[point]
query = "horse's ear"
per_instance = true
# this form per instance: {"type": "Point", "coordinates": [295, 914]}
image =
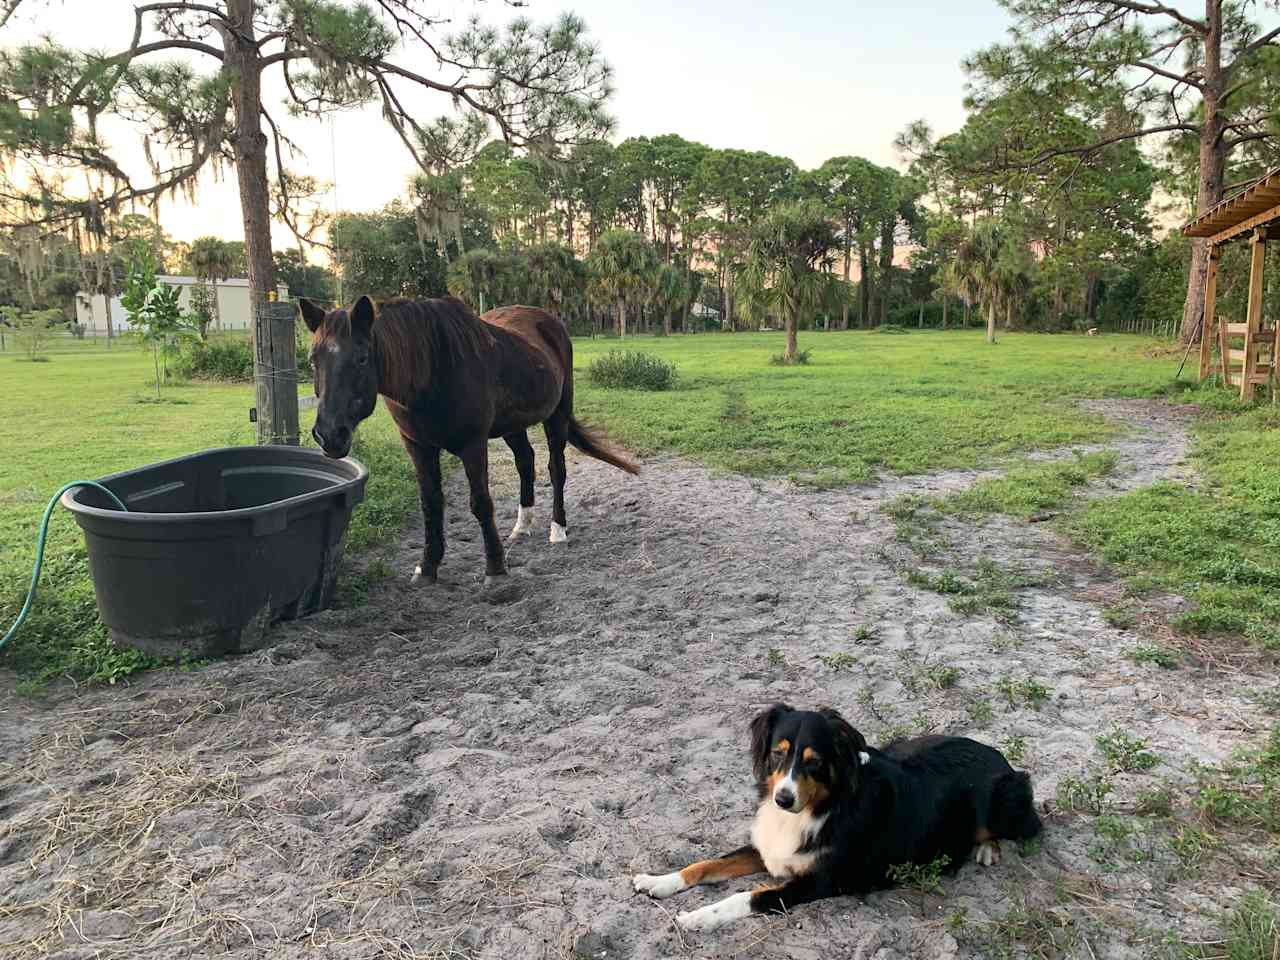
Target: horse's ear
{"type": "Point", "coordinates": [362, 317]}
{"type": "Point", "coordinates": [312, 315]}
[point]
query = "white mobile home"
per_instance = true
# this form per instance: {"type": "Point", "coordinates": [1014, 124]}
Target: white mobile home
{"type": "Point", "coordinates": [233, 306]}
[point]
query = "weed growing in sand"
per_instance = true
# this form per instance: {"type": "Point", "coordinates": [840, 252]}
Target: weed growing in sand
{"type": "Point", "coordinates": [936, 676]}
{"type": "Point", "coordinates": [1015, 748]}
{"type": "Point", "coordinates": [1245, 792]}
{"type": "Point", "coordinates": [944, 678]}
{"type": "Point", "coordinates": [864, 634]}
{"type": "Point", "coordinates": [775, 657]}
{"type": "Point", "coordinates": [990, 590]}
{"type": "Point", "coordinates": [1112, 837]}
{"type": "Point", "coordinates": [839, 661]}
{"type": "Point", "coordinates": [1031, 848]}
{"type": "Point", "coordinates": [1252, 932]}
{"type": "Point", "coordinates": [1125, 753]}
{"type": "Point", "coordinates": [1029, 489]}
{"type": "Point", "coordinates": [1028, 931]}
{"type": "Point", "coordinates": [926, 878]}
{"type": "Point", "coordinates": [893, 732]}
{"type": "Point", "coordinates": [1081, 794]}
{"type": "Point", "coordinates": [957, 919]}
{"type": "Point", "coordinates": [1156, 802]}
{"type": "Point", "coordinates": [1268, 700]}
{"type": "Point", "coordinates": [1122, 616]}
{"type": "Point", "coordinates": [980, 712]}
{"type": "Point", "coordinates": [1159, 656]}
{"type": "Point", "coordinates": [1191, 845]}
{"type": "Point", "coordinates": [1028, 690]}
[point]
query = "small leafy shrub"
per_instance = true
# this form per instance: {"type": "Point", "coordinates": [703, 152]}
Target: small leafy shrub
{"type": "Point", "coordinates": [632, 370]}
{"type": "Point", "coordinates": [228, 360]}
{"type": "Point", "coordinates": [1077, 794]}
{"type": "Point", "coordinates": [1125, 753]}
{"type": "Point", "coordinates": [1159, 656]}
{"type": "Point", "coordinates": [927, 878]}
{"type": "Point", "coordinates": [780, 359]}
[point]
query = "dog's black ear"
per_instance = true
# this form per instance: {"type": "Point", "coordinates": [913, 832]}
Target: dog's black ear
{"type": "Point", "coordinates": [850, 744]}
{"type": "Point", "coordinates": [762, 736]}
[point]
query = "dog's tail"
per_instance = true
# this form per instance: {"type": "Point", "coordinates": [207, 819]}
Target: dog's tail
{"type": "Point", "coordinates": [1013, 807]}
{"type": "Point", "coordinates": [593, 443]}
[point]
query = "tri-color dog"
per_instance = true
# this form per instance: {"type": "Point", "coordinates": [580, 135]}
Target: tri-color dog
{"type": "Point", "coordinates": [835, 815]}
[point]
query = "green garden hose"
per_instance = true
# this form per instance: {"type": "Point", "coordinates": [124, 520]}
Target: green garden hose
{"type": "Point", "coordinates": [44, 532]}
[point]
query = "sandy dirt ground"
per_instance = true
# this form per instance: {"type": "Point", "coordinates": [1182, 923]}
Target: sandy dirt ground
{"type": "Point", "coordinates": [450, 772]}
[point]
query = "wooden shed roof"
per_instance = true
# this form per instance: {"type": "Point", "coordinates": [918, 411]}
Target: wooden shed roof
{"type": "Point", "coordinates": [1253, 207]}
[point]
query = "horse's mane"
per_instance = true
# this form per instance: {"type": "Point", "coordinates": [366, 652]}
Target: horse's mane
{"type": "Point", "coordinates": [414, 340]}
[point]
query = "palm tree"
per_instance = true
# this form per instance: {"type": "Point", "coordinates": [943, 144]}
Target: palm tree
{"type": "Point", "coordinates": [994, 266]}
{"type": "Point", "coordinates": [977, 269]}
{"type": "Point", "coordinates": [786, 268]}
{"type": "Point", "coordinates": [622, 268]}
{"type": "Point", "coordinates": [670, 291]}
{"type": "Point", "coordinates": [554, 275]}
{"type": "Point", "coordinates": [212, 260]}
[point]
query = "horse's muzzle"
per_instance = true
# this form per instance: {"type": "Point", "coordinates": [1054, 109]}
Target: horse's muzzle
{"type": "Point", "coordinates": [336, 444]}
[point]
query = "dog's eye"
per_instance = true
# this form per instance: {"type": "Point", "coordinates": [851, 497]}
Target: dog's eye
{"type": "Point", "coordinates": [362, 359]}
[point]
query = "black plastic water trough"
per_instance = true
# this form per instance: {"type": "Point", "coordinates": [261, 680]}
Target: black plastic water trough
{"type": "Point", "coordinates": [217, 546]}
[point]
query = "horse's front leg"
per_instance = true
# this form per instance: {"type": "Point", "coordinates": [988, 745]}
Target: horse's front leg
{"type": "Point", "coordinates": [475, 460]}
{"type": "Point", "coordinates": [426, 462]}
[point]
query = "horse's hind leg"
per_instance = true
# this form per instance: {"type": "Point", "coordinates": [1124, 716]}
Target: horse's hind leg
{"type": "Point", "coordinates": [523, 451]}
{"type": "Point", "coordinates": [475, 460]}
{"type": "Point", "coordinates": [557, 429]}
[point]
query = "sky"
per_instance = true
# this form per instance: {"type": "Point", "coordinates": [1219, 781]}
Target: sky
{"type": "Point", "coordinates": [805, 81]}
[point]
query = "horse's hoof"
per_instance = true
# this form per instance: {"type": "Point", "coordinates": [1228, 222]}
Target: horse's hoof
{"type": "Point", "coordinates": [419, 575]}
{"type": "Point", "coordinates": [559, 534]}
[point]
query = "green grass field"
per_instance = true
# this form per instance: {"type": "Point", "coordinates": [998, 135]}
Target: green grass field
{"type": "Point", "coordinates": [866, 402]}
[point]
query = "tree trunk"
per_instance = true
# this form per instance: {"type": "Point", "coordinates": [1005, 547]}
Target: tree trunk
{"type": "Point", "coordinates": [848, 263]}
{"type": "Point", "coordinates": [1008, 315]}
{"type": "Point", "coordinates": [622, 319]}
{"type": "Point", "coordinates": [991, 321]}
{"type": "Point", "coordinates": [886, 267]}
{"type": "Point", "coordinates": [275, 356]}
{"type": "Point", "coordinates": [968, 312]}
{"type": "Point", "coordinates": [864, 286]}
{"type": "Point", "coordinates": [920, 317]}
{"type": "Point", "coordinates": [790, 354]}
{"type": "Point", "coordinates": [946, 302]}
{"type": "Point", "coordinates": [1213, 161]}
{"type": "Point", "coordinates": [666, 323]}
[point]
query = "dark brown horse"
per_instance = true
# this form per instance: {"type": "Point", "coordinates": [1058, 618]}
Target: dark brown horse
{"type": "Point", "coordinates": [451, 381]}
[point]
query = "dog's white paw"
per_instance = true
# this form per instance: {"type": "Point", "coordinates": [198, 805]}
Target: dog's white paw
{"type": "Point", "coordinates": [658, 887]}
{"type": "Point", "coordinates": [988, 853]}
{"type": "Point", "coordinates": [717, 915]}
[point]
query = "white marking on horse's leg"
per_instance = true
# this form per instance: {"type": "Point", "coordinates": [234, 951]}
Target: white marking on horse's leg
{"type": "Point", "coordinates": [718, 914]}
{"type": "Point", "coordinates": [417, 574]}
{"type": "Point", "coordinates": [524, 523]}
{"type": "Point", "coordinates": [988, 853]}
{"type": "Point", "coordinates": [558, 533]}
{"type": "Point", "coordinates": [659, 887]}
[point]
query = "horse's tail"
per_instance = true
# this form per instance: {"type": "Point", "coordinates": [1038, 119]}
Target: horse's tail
{"type": "Point", "coordinates": [593, 443]}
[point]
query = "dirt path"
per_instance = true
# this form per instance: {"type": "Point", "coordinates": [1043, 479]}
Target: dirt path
{"type": "Point", "coordinates": [444, 772]}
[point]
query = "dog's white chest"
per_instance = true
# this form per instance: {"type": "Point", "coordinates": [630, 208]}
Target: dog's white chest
{"type": "Point", "coordinates": [778, 836]}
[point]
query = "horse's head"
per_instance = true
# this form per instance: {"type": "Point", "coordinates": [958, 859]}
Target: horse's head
{"type": "Point", "coordinates": [345, 369]}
